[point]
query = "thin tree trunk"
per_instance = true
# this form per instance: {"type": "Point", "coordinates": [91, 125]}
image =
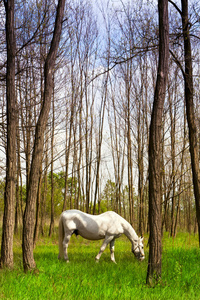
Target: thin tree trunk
{"type": "Point", "coordinates": [80, 152]}
{"type": "Point", "coordinates": [17, 206]}
{"type": "Point", "coordinates": [155, 221]}
{"type": "Point", "coordinates": [190, 110]}
{"type": "Point", "coordinates": [51, 228]}
{"type": "Point", "coordinates": [38, 204]}
{"type": "Point", "coordinates": [89, 145]}
{"type": "Point", "coordinates": [188, 79]}
{"type": "Point", "coordinates": [99, 145]}
{"type": "Point", "coordinates": [181, 179]}
{"type": "Point", "coordinates": [69, 138]}
{"type": "Point", "coordinates": [44, 196]}
{"type": "Point", "coordinates": [173, 122]}
{"type": "Point", "coordinates": [9, 196]}
{"type": "Point", "coordinates": [140, 133]}
{"type": "Point", "coordinates": [29, 214]}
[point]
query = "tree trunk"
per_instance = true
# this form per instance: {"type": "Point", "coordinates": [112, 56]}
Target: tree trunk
{"type": "Point", "coordinates": [181, 179]}
{"type": "Point", "coordinates": [88, 144]}
{"type": "Point", "coordinates": [140, 156]}
{"type": "Point", "coordinates": [44, 195]}
{"type": "Point", "coordinates": [130, 164]}
{"type": "Point", "coordinates": [38, 205]}
{"type": "Point", "coordinates": [29, 214]}
{"type": "Point", "coordinates": [69, 138]}
{"type": "Point", "coordinates": [188, 79]}
{"type": "Point", "coordinates": [80, 152]}
{"type": "Point", "coordinates": [172, 111]}
{"type": "Point", "coordinates": [155, 243]}
{"type": "Point", "coordinates": [9, 196]}
{"type": "Point", "coordinates": [51, 228]}
{"type": "Point", "coordinates": [99, 146]}
{"type": "Point", "coordinates": [18, 164]}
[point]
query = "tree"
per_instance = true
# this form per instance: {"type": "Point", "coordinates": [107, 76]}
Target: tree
{"type": "Point", "coordinates": [29, 214]}
{"type": "Point", "coordinates": [108, 196]}
{"type": "Point", "coordinates": [51, 228]}
{"type": "Point", "coordinates": [190, 108]}
{"type": "Point", "coordinates": [154, 265]}
{"type": "Point", "coordinates": [190, 111]}
{"type": "Point", "coordinates": [9, 197]}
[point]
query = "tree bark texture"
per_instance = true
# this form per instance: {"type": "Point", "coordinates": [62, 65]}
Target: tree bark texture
{"type": "Point", "coordinates": [9, 196]}
{"type": "Point", "coordinates": [154, 264]}
{"type": "Point", "coordinates": [29, 214]}
{"type": "Point", "coordinates": [51, 227]}
{"type": "Point", "coordinates": [38, 205]}
{"type": "Point", "coordinates": [188, 78]}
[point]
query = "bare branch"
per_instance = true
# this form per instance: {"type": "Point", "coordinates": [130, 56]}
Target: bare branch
{"type": "Point", "coordinates": [177, 62]}
{"type": "Point", "coordinates": [177, 8]}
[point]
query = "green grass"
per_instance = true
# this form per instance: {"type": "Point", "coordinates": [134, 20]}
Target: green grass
{"type": "Point", "coordinates": [83, 278]}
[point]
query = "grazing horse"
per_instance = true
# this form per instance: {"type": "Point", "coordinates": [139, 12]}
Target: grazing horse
{"type": "Point", "coordinates": [107, 226]}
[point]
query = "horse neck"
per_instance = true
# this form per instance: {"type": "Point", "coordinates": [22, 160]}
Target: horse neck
{"type": "Point", "coordinates": [130, 232]}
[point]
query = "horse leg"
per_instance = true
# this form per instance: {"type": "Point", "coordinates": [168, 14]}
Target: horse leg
{"type": "Point", "coordinates": [103, 247]}
{"type": "Point", "coordinates": [112, 248]}
{"type": "Point", "coordinates": [65, 245]}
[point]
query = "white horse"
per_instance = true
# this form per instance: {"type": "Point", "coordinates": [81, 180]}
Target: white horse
{"type": "Point", "coordinates": [107, 226]}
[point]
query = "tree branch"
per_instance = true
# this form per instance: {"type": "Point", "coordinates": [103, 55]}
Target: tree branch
{"type": "Point", "coordinates": [177, 8]}
{"type": "Point", "coordinates": [34, 34]}
{"type": "Point", "coordinates": [177, 62]}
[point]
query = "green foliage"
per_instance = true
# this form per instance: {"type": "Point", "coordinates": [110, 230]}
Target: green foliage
{"type": "Point", "coordinates": [59, 185]}
{"type": "Point", "coordinates": [59, 188]}
{"type": "Point", "coordinates": [82, 278]}
{"type": "Point", "coordinates": [109, 196]}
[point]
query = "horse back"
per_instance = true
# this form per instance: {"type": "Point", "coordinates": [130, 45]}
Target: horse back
{"type": "Point", "coordinates": [93, 227]}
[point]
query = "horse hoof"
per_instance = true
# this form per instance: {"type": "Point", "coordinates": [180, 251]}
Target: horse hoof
{"type": "Point", "coordinates": [114, 262]}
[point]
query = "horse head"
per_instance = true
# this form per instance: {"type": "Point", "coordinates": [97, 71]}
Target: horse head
{"type": "Point", "coordinates": [138, 249]}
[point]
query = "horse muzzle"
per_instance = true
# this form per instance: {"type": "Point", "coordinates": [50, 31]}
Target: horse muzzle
{"type": "Point", "coordinates": [141, 257]}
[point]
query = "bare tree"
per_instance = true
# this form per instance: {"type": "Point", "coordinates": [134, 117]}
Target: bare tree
{"type": "Point", "coordinates": [51, 228]}
{"type": "Point", "coordinates": [155, 242]}
{"type": "Point", "coordinates": [190, 111]}
{"type": "Point", "coordinates": [17, 206]}
{"type": "Point", "coordinates": [70, 111]}
{"type": "Point", "coordinates": [29, 214]}
{"type": "Point", "coordinates": [45, 184]}
{"type": "Point", "coordinates": [38, 204]}
{"type": "Point", "coordinates": [99, 145]}
{"type": "Point", "coordinates": [9, 196]}
{"type": "Point", "coordinates": [189, 99]}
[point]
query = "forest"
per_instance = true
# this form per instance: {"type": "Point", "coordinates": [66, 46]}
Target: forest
{"type": "Point", "coordinates": [91, 151]}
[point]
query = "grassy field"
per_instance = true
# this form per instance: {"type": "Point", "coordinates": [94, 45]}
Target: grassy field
{"type": "Point", "coordinates": [83, 278]}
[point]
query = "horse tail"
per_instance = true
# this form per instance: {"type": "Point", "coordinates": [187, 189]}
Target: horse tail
{"type": "Point", "coordinates": [60, 238]}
